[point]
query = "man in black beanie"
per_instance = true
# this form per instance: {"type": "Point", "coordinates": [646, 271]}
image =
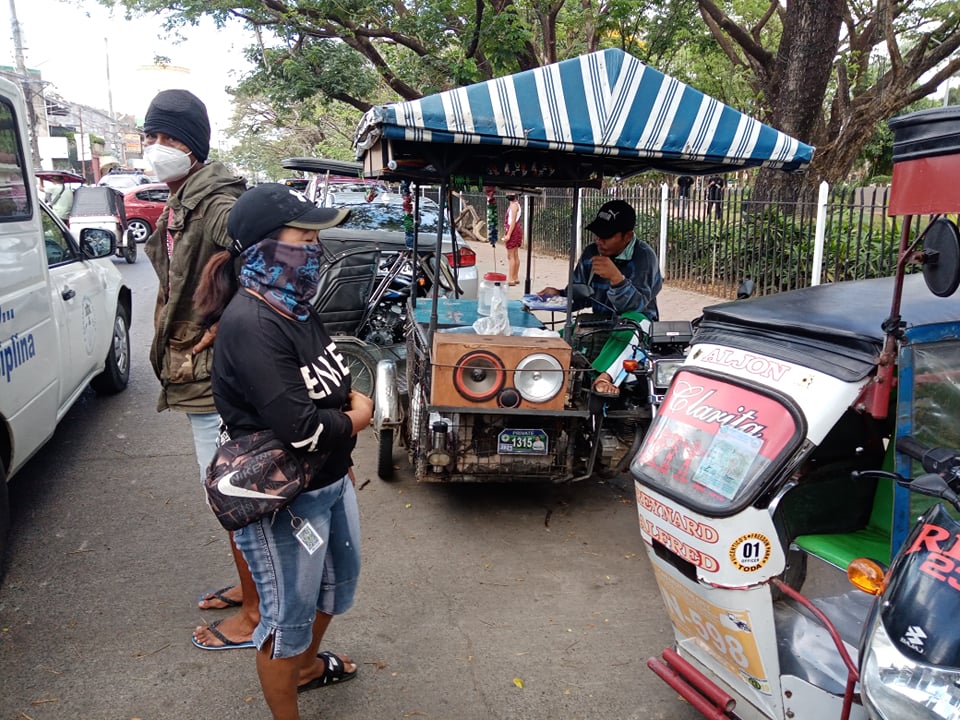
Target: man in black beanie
{"type": "Point", "coordinates": [191, 229]}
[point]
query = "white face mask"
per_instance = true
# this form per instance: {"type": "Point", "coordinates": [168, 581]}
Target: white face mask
{"type": "Point", "coordinates": [169, 164]}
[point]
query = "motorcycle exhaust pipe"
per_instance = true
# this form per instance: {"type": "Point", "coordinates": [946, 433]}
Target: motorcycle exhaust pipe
{"type": "Point", "coordinates": [693, 686]}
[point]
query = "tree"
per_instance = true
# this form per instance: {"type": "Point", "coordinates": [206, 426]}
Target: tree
{"type": "Point", "coordinates": [827, 71]}
{"type": "Point", "coordinates": [270, 126]}
{"type": "Point", "coordinates": [824, 71]}
{"type": "Point", "coordinates": [412, 49]}
{"type": "Point", "coordinates": [363, 52]}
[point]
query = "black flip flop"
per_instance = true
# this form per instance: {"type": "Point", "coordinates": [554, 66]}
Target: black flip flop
{"type": "Point", "coordinates": [219, 595]}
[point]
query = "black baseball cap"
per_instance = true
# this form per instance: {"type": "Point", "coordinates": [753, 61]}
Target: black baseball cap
{"type": "Point", "coordinates": [614, 217]}
{"type": "Point", "coordinates": [265, 208]}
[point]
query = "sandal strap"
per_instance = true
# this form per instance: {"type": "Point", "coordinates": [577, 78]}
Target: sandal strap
{"type": "Point", "coordinates": [335, 668]}
{"type": "Point", "coordinates": [212, 628]}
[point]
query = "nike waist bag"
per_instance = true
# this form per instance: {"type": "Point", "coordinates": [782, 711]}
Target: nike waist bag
{"type": "Point", "coordinates": [253, 476]}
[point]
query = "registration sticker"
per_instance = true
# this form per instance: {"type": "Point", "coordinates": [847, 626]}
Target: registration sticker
{"type": "Point", "coordinates": [725, 633]}
{"type": "Point", "coordinates": [522, 442]}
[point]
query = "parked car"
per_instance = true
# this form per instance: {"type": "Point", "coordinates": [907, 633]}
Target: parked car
{"type": "Point", "coordinates": [381, 220]}
{"type": "Point", "coordinates": [122, 179]}
{"type": "Point", "coordinates": [65, 320]}
{"type": "Point", "coordinates": [143, 205]}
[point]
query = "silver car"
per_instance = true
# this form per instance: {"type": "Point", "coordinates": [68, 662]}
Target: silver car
{"type": "Point", "coordinates": [381, 220]}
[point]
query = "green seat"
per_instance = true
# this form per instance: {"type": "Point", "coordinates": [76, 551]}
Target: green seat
{"type": "Point", "coordinates": [873, 541]}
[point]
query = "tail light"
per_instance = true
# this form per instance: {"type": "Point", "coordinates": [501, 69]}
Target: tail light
{"type": "Point", "coordinates": [464, 257]}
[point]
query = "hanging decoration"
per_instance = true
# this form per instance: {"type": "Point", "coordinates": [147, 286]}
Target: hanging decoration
{"type": "Point", "coordinates": [491, 194]}
{"type": "Point", "coordinates": [407, 211]}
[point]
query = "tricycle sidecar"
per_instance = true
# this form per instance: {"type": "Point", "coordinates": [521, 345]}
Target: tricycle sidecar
{"type": "Point", "coordinates": [517, 405]}
{"type": "Point", "coordinates": [102, 207]}
{"type": "Point", "coordinates": [770, 476]}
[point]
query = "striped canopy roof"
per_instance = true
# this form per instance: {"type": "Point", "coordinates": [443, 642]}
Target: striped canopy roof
{"type": "Point", "coordinates": [605, 113]}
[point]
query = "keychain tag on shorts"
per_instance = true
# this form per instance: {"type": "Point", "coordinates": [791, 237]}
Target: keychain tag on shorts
{"type": "Point", "coordinates": [306, 535]}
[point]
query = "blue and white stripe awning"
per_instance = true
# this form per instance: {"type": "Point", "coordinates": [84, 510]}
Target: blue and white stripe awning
{"type": "Point", "coordinates": [606, 104]}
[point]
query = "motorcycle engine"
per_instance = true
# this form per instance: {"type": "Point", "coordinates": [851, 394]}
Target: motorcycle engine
{"type": "Point", "coordinates": [385, 325]}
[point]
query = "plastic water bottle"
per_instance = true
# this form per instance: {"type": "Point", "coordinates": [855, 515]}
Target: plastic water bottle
{"type": "Point", "coordinates": [492, 283]}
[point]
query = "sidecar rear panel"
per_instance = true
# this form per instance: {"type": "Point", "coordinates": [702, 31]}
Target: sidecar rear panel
{"type": "Point", "coordinates": [487, 443]}
{"type": "Point", "coordinates": [836, 328]}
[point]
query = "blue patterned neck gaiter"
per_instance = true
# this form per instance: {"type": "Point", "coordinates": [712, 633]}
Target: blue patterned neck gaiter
{"type": "Point", "coordinates": [286, 275]}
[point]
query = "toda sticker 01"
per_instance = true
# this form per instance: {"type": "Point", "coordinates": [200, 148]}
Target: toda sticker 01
{"type": "Point", "coordinates": [750, 552]}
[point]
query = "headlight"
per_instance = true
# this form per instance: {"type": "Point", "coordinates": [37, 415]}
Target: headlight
{"type": "Point", "coordinates": [538, 377]}
{"type": "Point", "coordinates": [664, 370]}
{"type": "Point", "coordinates": [894, 687]}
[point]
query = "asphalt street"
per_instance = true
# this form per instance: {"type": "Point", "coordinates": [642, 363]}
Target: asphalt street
{"type": "Point", "coordinates": [476, 602]}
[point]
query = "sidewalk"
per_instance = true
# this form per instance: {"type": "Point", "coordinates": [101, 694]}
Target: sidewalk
{"type": "Point", "coordinates": [674, 303]}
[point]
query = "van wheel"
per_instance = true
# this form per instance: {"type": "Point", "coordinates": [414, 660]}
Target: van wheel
{"type": "Point", "coordinates": [116, 374]}
{"type": "Point", "coordinates": [130, 251]}
{"type": "Point", "coordinates": [4, 519]}
{"type": "Point", "coordinates": [385, 454]}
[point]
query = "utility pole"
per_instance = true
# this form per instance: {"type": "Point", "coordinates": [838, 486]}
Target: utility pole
{"type": "Point", "coordinates": [119, 147]}
{"type": "Point", "coordinates": [25, 84]}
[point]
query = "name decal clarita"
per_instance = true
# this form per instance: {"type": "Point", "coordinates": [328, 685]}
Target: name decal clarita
{"type": "Point", "coordinates": [693, 401]}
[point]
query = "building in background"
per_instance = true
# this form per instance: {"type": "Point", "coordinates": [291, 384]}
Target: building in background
{"type": "Point", "coordinates": [72, 136]}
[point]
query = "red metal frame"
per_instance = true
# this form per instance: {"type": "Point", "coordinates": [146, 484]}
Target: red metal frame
{"type": "Point", "coordinates": [693, 686]}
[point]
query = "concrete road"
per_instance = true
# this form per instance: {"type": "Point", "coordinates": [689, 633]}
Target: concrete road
{"type": "Point", "coordinates": [475, 603]}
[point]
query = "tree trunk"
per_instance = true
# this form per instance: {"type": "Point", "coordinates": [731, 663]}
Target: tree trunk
{"type": "Point", "coordinates": [798, 81]}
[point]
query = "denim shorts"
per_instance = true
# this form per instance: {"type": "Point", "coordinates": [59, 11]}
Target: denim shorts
{"type": "Point", "coordinates": [206, 430]}
{"type": "Point", "coordinates": [293, 584]}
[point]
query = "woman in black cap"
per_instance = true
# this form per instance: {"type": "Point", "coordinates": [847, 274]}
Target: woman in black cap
{"type": "Point", "coordinates": [275, 367]}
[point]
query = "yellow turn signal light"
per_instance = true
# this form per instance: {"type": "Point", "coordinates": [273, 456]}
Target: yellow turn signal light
{"type": "Point", "coordinates": [867, 575]}
{"type": "Point", "coordinates": [631, 366]}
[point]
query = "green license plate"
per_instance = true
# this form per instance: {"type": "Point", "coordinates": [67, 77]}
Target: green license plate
{"type": "Point", "coordinates": [522, 442]}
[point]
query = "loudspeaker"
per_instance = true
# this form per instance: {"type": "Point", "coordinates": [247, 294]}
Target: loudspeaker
{"type": "Point", "coordinates": [528, 373]}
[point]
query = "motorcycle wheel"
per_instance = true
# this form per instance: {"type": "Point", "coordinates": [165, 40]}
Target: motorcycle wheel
{"type": "Point", "coordinates": [130, 251]}
{"type": "Point", "coordinates": [385, 454]}
{"type": "Point", "coordinates": [363, 367]}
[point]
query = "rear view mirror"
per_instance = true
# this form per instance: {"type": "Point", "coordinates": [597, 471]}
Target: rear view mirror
{"type": "Point", "coordinates": [97, 243]}
{"type": "Point", "coordinates": [941, 257]}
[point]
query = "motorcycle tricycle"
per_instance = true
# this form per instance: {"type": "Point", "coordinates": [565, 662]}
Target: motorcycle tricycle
{"type": "Point", "coordinates": [102, 207]}
{"type": "Point", "coordinates": [774, 488]}
{"type": "Point", "coordinates": [510, 400]}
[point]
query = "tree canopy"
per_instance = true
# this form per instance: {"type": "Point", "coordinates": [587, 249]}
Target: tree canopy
{"type": "Point", "coordinates": [825, 71]}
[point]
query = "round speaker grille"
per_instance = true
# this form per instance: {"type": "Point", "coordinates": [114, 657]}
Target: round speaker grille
{"type": "Point", "coordinates": [538, 377]}
{"type": "Point", "coordinates": [479, 375]}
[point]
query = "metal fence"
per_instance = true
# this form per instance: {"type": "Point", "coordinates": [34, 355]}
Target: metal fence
{"type": "Point", "coordinates": [711, 247]}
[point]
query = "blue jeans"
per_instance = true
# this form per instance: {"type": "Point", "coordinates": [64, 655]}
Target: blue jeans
{"type": "Point", "coordinates": [206, 431]}
{"type": "Point", "coordinates": [293, 584]}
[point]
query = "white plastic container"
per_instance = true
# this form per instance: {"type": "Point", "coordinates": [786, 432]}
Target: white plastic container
{"type": "Point", "coordinates": [491, 284]}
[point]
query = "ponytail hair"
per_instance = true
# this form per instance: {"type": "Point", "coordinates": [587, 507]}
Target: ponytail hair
{"type": "Point", "coordinates": [218, 284]}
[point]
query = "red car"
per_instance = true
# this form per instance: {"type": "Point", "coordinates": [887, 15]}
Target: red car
{"type": "Point", "coordinates": [143, 205]}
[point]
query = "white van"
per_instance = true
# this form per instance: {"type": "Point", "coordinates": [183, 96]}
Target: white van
{"type": "Point", "coordinates": [64, 310]}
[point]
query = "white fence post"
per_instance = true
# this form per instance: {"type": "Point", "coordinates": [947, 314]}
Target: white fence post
{"type": "Point", "coordinates": [664, 209]}
{"type": "Point", "coordinates": [579, 221]}
{"type": "Point", "coordinates": [819, 234]}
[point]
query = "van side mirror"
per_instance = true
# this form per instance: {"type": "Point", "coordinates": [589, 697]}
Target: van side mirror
{"type": "Point", "coordinates": [746, 289]}
{"type": "Point", "coordinates": [97, 243]}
